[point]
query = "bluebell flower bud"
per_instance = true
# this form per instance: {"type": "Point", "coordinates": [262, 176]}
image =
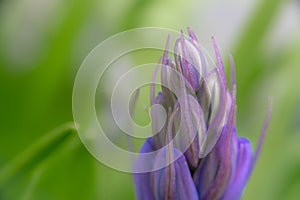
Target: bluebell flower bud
{"type": "Point", "coordinates": [201, 109]}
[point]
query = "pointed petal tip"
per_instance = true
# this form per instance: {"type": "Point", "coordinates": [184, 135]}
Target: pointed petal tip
{"type": "Point", "coordinates": [166, 51]}
{"type": "Point", "coordinates": [213, 39]}
{"type": "Point", "coordinates": [263, 131]}
{"type": "Point", "coordinates": [192, 34]}
{"type": "Point", "coordinates": [152, 90]}
{"type": "Point", "coordinates": [219, 59]}
{"type": "Point", "coordinates": [232, 71]}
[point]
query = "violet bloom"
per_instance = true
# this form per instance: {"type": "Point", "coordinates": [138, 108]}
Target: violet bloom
{"type": "Point", "coordinates": [217, 163]}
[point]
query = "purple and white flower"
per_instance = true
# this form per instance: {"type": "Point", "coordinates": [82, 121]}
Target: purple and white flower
{"type": "Point", "coordinates": [217, 163]}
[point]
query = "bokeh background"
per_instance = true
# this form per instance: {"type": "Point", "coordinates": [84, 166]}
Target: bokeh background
{"type": "Point", "coordinates": [43, 42]}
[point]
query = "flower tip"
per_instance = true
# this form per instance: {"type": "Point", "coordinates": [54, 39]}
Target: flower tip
{"type": "Point", "coordinates": [219, 60]}
{"type": "Point", "coordinates": [181, 31]}
{"type": "Point", "coordinates": [270, 103]}
{"type": "Point", "coordinates": [213, 40]}
{"type": "Point", "coordinates": [192, 35]}
{"type": "Point", "coordinates": [165, 56]}
{"type": "Point", "coordinates": [232, 71]}
{"type": "Point", "coordinates": [263, 132]}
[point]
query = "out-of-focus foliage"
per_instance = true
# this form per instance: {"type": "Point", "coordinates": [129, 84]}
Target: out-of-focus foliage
{"type": "Point", "coordinates": [43, 42]}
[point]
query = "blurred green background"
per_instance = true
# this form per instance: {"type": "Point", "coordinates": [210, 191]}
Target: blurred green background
{"type": "Point", "coordinates": [43, 42]}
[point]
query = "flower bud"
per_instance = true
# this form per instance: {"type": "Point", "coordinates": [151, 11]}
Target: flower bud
{"type": "Point", "coordinates": [213, 162]}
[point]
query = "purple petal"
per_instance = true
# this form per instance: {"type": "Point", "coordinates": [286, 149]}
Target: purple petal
{"type": "Point", "coordinates": [213, 174]}
{"type": "Point", "coordinates": [152, 92]}
{"type": "Point", "coordinates": [192, 35]}
{"type": "Point", "coordinates": [242, 171]}
{"type": "Point", "coordinates": [142, 182]}
{"type": "Point", "coordinates": [263, 132]}
{"type": "Point", "coordinates": [174, 181]}
{"type": "Point", "coordinates": [232, 71]}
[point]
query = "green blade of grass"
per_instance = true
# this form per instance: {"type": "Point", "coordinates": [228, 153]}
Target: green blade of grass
{"type": "Point", "coordinates": [36, 153]}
